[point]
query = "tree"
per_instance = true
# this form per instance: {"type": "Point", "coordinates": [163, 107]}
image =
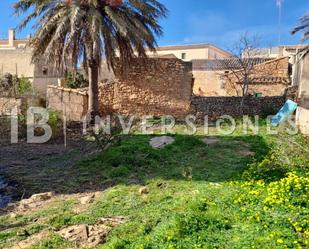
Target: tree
{"type": "Point", "coordinates": [85, 31]}
{"type": "Point", "coordinates": [245, 55]}
{"type": "Point", "coordinates": [303, 26]}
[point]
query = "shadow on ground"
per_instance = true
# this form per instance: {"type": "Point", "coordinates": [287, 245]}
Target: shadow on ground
{"type": "Point", "coordinates": [52, 167]}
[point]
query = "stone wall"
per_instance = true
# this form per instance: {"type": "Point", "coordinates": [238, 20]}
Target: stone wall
{"type": "Point", "coordinates": [73, 103]}
{"type": "Point", "coordinates": [150, 87]}
{"type": "Point", "coordinates": [8, 104]}
{"type": "Point", "coordinates": [215, 107]}
{"type": "Point", "coordinates": [269, 78]}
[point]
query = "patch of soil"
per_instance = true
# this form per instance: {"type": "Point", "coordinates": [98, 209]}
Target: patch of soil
{"type": "Point", "coordinates": [39, 168]}
{"type": "Point", "coordinates": [244, 149]}
{"type": "Point", "coordinates": [211, 141]}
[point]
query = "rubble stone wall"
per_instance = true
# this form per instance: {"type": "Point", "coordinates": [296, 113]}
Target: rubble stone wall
{"type": "Point", "coordinates": [214, 107]}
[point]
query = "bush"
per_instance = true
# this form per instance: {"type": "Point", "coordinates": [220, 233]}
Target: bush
{"type": "Point", "coordinates": [24, 86]}
{"type": "Point", "coordinates": [271, 168]}
{"type": "Point", "coordinates": [55, 123]}
{"type": "Point", "coordinates": [75, 80]}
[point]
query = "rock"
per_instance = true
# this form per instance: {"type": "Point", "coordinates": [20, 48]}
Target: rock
{"type": "Point", "coordinates": [161, 142]}
{"type": "Point", "coordinates": [215, 184]}
{"type": "Point", "coordinates": [91, 235]}
{"type": "Point", "coordinates": [41, 197]}
{"type": "Point", "coordinates": [13, 215]}
{"type": "Point", "coordinates": [85, 235]}
{"type": "Point", "coordinates": [75, 233]}
{"type": "Point", "coordinates": [112, 222]}
{"type": "Point", "coordinates": [211, 141]}
{"type": "Point", "coordinates": [143, 190]}
{"type": "Point", "coordinates": [87, 199]}
{"type": "Point", "coordinates": [35, 201]}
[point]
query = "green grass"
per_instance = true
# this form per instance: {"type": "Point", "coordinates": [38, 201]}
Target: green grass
{"type": "Point", "coordinates": [199, 196]}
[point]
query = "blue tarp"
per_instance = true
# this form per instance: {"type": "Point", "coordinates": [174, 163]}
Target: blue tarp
{"type": "Point", "coordinates": [288, 109]}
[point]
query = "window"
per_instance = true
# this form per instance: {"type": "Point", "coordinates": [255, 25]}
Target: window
{"type": "Point", "coordinates": [183, 56]}
{"type": "Point", "coordinates": [45, 71]}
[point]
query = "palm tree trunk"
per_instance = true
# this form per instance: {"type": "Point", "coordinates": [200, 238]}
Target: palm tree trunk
{"type": "Point", "coordinates": [93, 95]}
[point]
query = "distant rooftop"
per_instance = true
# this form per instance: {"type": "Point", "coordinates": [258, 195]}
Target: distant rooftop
{"type": "Point", "coordinates": [11, 42]}
{"type": "Point", "coordinates": [191, 46]}
{"type": "Point", "coordinates": [225, 64]}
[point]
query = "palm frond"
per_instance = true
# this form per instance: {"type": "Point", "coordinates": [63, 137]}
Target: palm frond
{"type": "Point", "coordinates": [91, 29]}
{"type": "Point", "coordinates": [303, 26]}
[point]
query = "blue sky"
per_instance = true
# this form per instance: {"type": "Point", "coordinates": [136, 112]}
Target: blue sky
{"type": "Point", "coordinates": [211, 21]}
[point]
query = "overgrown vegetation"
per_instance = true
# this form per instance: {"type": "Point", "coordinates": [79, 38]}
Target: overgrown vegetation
{"type": "Point", "coordinates": [200, 196]}
{"type": "Point", "coordinates": [24, 86]}
{"type": "Point", "coordinates": [75, 80]}
{"type": "Point", "coordinates": [14, 86]}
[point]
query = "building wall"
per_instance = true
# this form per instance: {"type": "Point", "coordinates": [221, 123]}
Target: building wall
{"type": "Point", "coordinates": [16, 61]}
{"type": "Point", "coordinates": [277, 71]}
{"type": "Point", "coordinates": [15, 58]}
{"type": "Point", "coordinates": [193, 52]}
{"type": "Point", "coordinates": [302, 117]}
{"type": "Point", "coordinates": [208, 83]}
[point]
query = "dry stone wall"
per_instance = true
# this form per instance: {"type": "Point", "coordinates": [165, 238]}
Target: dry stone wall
{"type": "Point", "coordinates": [214, 107]}
{"type": "Point", "coordinates": [150, 87]}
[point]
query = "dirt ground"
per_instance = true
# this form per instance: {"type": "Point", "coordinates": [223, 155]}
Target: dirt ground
{"type": "Point", "coordinates": [35, 168]}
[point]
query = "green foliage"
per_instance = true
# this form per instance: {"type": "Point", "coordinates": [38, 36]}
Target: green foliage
{"type": "Point", "coordinates": [121, 171]}
{"type": "Point", "coordinates": [114, 30]}
{"type": "Point", "coordinates": [230, 200]}
{"type": "Point", "coordinates": [54, 120]}
{"type": "Point", "coordinates": [52, 242]}
{"type": "Point", "coordinates": [271, 168]}
{"type": "Point", "coordinates": [24, 86]}
{"type": "Point", "coordinates": [75, 80]}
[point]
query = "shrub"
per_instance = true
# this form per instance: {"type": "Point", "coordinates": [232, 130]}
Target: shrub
{"type": "Point", "coordinates": [120, 171]}
{"type": "Point", "coordinates": [271, 168]}
{"type": "Point", "coordinates": [24, 86]}
{"type": "Point", "coordinates": [55, 123]}
{"type": "Point", "coordinates": [75, 80]}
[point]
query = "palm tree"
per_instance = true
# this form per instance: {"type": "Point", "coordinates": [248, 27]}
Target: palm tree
{"type": "Point", "coordinates": [86, 31]}
{"type": "Point", "coordinates": [304, 26]}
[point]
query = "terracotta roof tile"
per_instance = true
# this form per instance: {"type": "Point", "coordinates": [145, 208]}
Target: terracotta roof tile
{"type": "Point", "coordinates": [225, 64]}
